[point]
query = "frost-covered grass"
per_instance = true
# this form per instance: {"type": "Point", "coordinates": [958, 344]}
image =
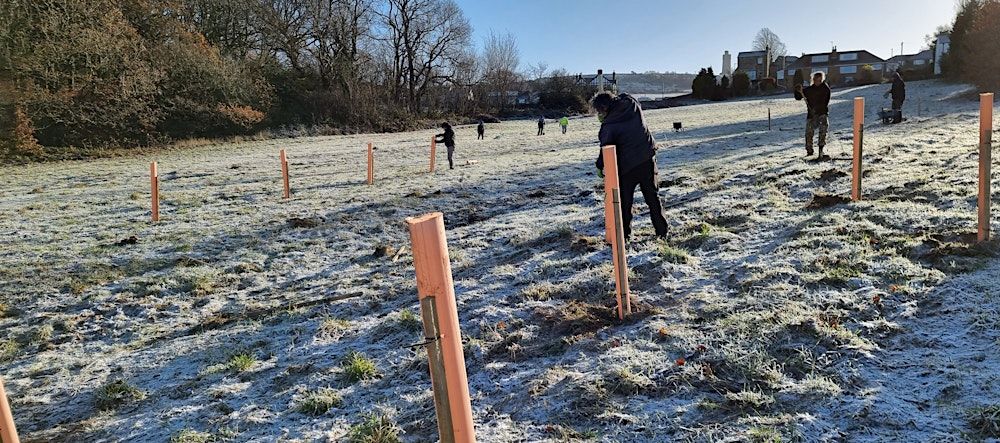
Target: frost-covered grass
{"type": "Point", "coordinates": [764, 315]}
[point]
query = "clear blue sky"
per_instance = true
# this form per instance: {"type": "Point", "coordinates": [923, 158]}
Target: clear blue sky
{"type": "Point", "coordinates": [683, 36]}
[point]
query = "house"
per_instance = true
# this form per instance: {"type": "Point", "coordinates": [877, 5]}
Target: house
{"type": "Point", "coordinates": [841, 68]}
{"type": "Point", "coordinates": [914, 62]}
{"type": "Point", "coordinates": [942, 46]}
{"type": "Point", "coordinates": [754, 65]}
{"type": "Point", "coordinates": [600, 81]}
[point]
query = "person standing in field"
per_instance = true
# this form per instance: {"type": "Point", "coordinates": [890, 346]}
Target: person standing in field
{"type": "Point", "coordinates": [817, 97]}
{"type": "Point", "coordinates": [481, 130]}
{"type": "Point", "coordinates": [898, 93]}
{"type": "Point", "coordinates": [541, 125]}
{"type": "Point", "coordinates": [448, 138]}
{"type": "Point", "coordinates": [564, 124]}
{"type": "Point", "coordinates": [623, 126]}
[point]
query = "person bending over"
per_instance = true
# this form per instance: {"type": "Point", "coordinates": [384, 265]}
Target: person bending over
{"type": "Point", "coordinates": [623, 126]}
{"type": "Point", "coordinates": [448, 138]}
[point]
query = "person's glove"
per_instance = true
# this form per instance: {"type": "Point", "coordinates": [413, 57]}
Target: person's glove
{"type": "Point", "coordinates": [600, 172]}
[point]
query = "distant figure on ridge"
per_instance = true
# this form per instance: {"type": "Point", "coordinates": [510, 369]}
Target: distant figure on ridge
{"type": "Point", "coordinates": [481, 129]}
{"type": "Point", "coordinates": [623, 126]}
{"type": "Point", "coordinates": [817, 98]}
{"type": "Point", "coordinates": [448, 138]}
{"type": "Point", "coordinates": [898, 93]}
{"type": "Point", "coordinates": [564, 124]}
{"type": "Point", "coordinates": [541, 125]}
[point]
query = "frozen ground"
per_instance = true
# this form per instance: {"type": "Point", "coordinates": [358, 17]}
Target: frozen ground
{"type": "Point", "coordinates": [231, 319]}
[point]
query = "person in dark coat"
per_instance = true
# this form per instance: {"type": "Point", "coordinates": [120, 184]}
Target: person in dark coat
{"type": "Point", "coordinates": [541, 125]}
{"type": "Point", "coordinates": [448, 138]}
{"type": "Point", "coordinates": [817, 97]}
{"type": "Point", "coordinates": [481, 130]}
{"type": "Point", "coordinates": [623, 126]}
{"type": "Point", "coordinates": [898, 93]}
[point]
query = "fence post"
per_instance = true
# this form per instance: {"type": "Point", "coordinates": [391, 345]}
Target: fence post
{"type": "Point", "coordinates": [154, 184]}
{"type": "Point", "coordinates": [619, 261]}
{"type": "Point", "coordinates": [433, 152]}
{"type": "Point", "coordinates": [610, 182]}
{"type": "Point", "coordinates": [371, 165]}
{"type": "Point", "coordinates": [768, 119]}
{"type": "Point", "coordinates": [985, 159]}
{"type": "Point", "coordinates": [284, 174]}
{"type": "Point", "coordinates": [859, 140]}
{"type": "Point", "coordinates": [434, 280]}
{"type": "Point", "coordinates": [8, 432]}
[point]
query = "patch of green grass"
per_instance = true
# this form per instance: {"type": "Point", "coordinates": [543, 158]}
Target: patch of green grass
{"type": "Point", "coordinates": [752, 399]}
{"type": "Point", "coordinates": [241, 361]}
{"type": "Point", "coordinates": [117, 393]}
{"type": "Point", "coordinates": [625, 381]}
{"type": "Point", "coordinates": [202, 283]}
{"type": "Point", "coordinates": [358, 367]}
{"type": "Point", "coordinates": [539, 291]}
{"type": "Point", "coordinates": [320, 401]}
{"type": "Point", "coordinates": [764, 435]}
{"type": "Point", "coordinates": [409, 320]}
{"type": "Point", "coordinates": [671, 254]}
{"type": "Point", "coordinates": [331, 326]}
{"type": "Point", "coordinates": [985, 420]}
{"type": "Point", "coordinates": [192, 436]}
{"type": "Point", "coordinates": [374, 429]}
{"type": "Point", "coordinates": [43, 334]}
{"type": "Point", "coordinates": [8, 350]}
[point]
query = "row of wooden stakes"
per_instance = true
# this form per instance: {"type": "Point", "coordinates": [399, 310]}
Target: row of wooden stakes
{"type": "Point", "coordinates": [154, 176]}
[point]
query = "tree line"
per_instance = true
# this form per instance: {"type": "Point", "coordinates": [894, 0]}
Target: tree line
{"type": "Point", "coordinates": [94, 73]}
{"type": "Point", "coordinates": [975, 45]}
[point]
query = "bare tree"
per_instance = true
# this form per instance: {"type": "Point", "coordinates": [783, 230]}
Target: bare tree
{"type": "Point", "coordinates": [538, 70]}
{"type": "Point", "coordinates": [427, 40]}
{"type": "Point", "coordinates": [501, 59]}
{"type": "Point", "coordinates": [766, 40]}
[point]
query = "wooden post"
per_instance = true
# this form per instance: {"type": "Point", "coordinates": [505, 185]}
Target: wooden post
{"type": "Point", "coordinates": [434, 279]}
{"type": "Point", "coordinates": [433, 152]}
{"type": "Point", "coordinates": [859, 140]}
{"type": "Point", "coordinates": [439, 383]}
{"type": "Point", "coordinates": [8, 432]}
{"type": "Point", "coordinates": [154, 184]}
{"type": "Point", "coordinates": [371, 165]}
{"type": "Point", "coordinates": [985, 158]}
{"type": "Point", "coordinates": [284, 174]}
{"type": "Point", "coordinates": [768, 119]}
{"type": "Point", "coordinates": [620, 263]}
{"type": "Point", "coordinates": [610, 182]}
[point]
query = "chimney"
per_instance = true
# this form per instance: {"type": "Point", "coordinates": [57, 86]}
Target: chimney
{"type": "Point", "coordinates": [600, 80]}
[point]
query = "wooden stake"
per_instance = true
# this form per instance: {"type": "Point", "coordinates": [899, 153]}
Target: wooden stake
{"type": "Point", "coordinates": [610, 182]}
{"type": "Point", "coordinates": [284, 174]}
{"type": "Point", "coordinates": [439, 383]}
{"type": "Point", "coordinates": [154, 184]}
{"type": "Point", "coordinates": [433, 152]}
{"type": "Point", "coordinates": [434, 279]}
{"type": "Point", "coordinates": [620, 263]}
{"type": "Point", "coordinates": [8, 432]}
{"type": "Point", "coordinates": [768, 119]}
{"type": "Point", "coordinates": [371, 165]}
{"type": "Point", "coordinates": [985, 159]}
{"type": "Point", "coordinates": [859, 140]}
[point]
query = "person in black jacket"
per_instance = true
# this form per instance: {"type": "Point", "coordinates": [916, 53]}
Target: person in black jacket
{"type": "Point", "coordinates": [541, 125]}
{"type": "Point", "coordinates": [448, 138]}
{"type": "Point", "coordinates": [623, 126]}
{"type": "Point", "coordinates": [481, 130]}
{"type": "Point", "coordinates": [898, 93]}
{"type": "Point", "coordinates": [817, 97]}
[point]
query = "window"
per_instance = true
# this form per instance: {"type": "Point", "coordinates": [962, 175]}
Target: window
{"type": "Point", "coordinates": [877, 67]}
{"type": "Point", "coordinates": [919, 62]}
{"type": "Point", "coordinates": [848, 69]}
{"type": "Point", "coordinates": [820, 58]}
{"type": "Point", "coordinates": [791, 72]}
{"type": "Point", "coordinates": [781, 75]}
{"type": "Point", "coordinates": [760, 60]}
{"type": "Point", "coordinates": [752, 74]}
{"type": "Point", "coordinates": [849, 56]}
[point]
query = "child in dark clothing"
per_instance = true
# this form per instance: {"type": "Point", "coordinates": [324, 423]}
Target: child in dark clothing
{"type": "Point", "coordinates": [448, 138]}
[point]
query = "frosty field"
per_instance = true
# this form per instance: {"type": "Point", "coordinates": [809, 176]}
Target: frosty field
{"type": "Point", "coordinates": [242, 317]}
